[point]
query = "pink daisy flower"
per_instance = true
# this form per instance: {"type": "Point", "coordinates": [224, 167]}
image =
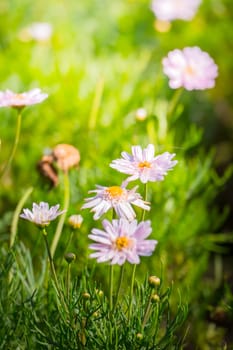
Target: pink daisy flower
{"type": "Point", "coordinates": [41, 214]}
{"type": "Point", "coordinates": [11, 99]}
{"type": "Point", "coordinates": [122, 241]}
{"type": "Point", "coordinates": [143, 164]}
{"type": "Point", "coordinates": [169, 10]}
{"type": "Point", "coordinates": [118, 198]}
{"type": "Point", "coordinates": [190, 68]}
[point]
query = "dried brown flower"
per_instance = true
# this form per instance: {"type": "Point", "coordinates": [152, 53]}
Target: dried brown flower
{"type": "Point", "coordinates": [66, 156]}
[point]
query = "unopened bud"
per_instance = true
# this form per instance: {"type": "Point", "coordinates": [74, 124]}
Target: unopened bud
{"type": "Point", "coordinates": [86, 295]}
{"type": "Point", "coordinates": [139, 336]}
{"type": "Point", "coordinates": [70, 257]}
{"type": "Point", "coordinates": [75, 221]}
{"type": "Point", "coordinates": [154, 281]}
{"type": "Point", "coordinates": [155, 298]}
{"type": "Point", "coordinates": [99, 292]}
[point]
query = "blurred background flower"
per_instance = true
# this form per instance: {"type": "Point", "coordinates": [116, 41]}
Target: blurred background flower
{"type": "Point", "coordinates": [38, 31]}
{"type": "Point", "coordinates": [190, 68]}
{"type": "Point", "coordinates": [169, 10]}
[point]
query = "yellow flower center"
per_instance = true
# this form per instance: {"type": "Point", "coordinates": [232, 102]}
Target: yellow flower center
{"type": "Point", "coordinates": [144, 164]}
{"type": "Point", "coordinates": [114, 192]}
{"type": "Point", "coordinates": [189, 70]}
{"type": "Point", "coordinates": [122, 242]}
{"type": "Point", "coordinates": [19, 97]}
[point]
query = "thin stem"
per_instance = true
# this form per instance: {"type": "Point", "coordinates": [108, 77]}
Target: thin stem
{"type": "Point", "coordinates": [173, 103]}
{"type": "Point", "coordinates": [150, 127]}
{"type": "Point", "coordinates": [131, 292]}
{"type": "Point", "coordinates": [66, 247]}
{"type": "Point", "coordinates": [68, 282]}
{"type": "Point", "coordinates": [17, 211]}
{"type": "Point", "coordinates": [61, 221]}
{"type": "Point", "coordinates": [110, 286]}
{"type": "Point", "coordinates": [53, 271]}
{"type": "Point", "coordinates": [145, 199]}
{"type": "Point", "coordinates": [119, 285]}
{"type": "Point", "coordinates": [96, 104]}
{"type": "Point", "coordinates": [147, 313]}
{"type": "Point", "coordinates": [16, 141]}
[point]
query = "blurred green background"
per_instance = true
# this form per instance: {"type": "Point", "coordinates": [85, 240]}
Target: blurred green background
{"type": "Point", "coordinates": [102, 63]}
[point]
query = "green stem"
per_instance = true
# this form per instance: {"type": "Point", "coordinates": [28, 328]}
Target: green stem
{"type": "Point", "coordinates": [68, 282]}
{"type": "Point", "coordinates": [66, 248]}
{"type": "Point", "coordinates": [173, 103]}
{"type": "Point", "coordinates": [131, 292]}
{"type": "Point", "coordinates": [61, 221]}
{"type": "Point", "coordinates": [147, 313]}
{"type": "Point", "coordinates": [145, 199]}
{"type": "Point", "coordinates": [17, 135]}
{"type": "Point", "coordinates": [119, 285]}
{"type": "Point", "coordinates": [96, 104]}
{"type": "Point", "coordinates": [14, 225]}
{"type": "Point", "coordinates": [53, 271]}
{"type": "Point", "coordinates": [110, 287]}
{"type": "Point", "coordinates": [150, 127]}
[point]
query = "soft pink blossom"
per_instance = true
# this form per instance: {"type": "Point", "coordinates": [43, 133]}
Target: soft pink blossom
{"type": "Point", "coordinates": [118, 198]}
{"type": "Point", "coordinates": [143, 164]}
{"type": "Point", "coordinates": [190, 68]}
{"type": "Point", "coordinates": [122, 241]}
{"type": "Point", "coordinates": [20, 100]}
{"type": "Point", "coordinates": [168, 10]}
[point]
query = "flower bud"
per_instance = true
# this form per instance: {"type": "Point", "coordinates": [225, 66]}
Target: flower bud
{"type": "Point", "coordinates": [155, 298]}
{"type": "Point", "coordinates": [70, 257]}
{"type": "Point", "coordinates": [75, 221]}
{"type": "Point", "coordinates": [154, 281]}
{"type": "Point", "coordinates": [99, 292]}
{"type": "Point", "coordinates": [86, 295]}
{"type": "Point", "coordinates": [139, 336]}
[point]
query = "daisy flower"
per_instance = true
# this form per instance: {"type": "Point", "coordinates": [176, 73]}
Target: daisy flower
{"type": "Point", "coordinates": [190, 68]}
{"type": "Point", "coordinates": [41, 214]}
{"type": "Point", "coordinates": [122, 241]}
{"type": "Point", "coordinates": [11, 99]}
{"type": "Point", "coordinates": [143, 164]}
{"type": "Point", "coordinates": [169, 10]}
{"type": "Point", "coordinates": [118, 198]}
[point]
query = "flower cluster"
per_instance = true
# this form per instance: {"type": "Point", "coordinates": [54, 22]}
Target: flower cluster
{"type": "Point", "coordinates": [190, 68]}
{"type": "Point", "coordinates": [124, 239]}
